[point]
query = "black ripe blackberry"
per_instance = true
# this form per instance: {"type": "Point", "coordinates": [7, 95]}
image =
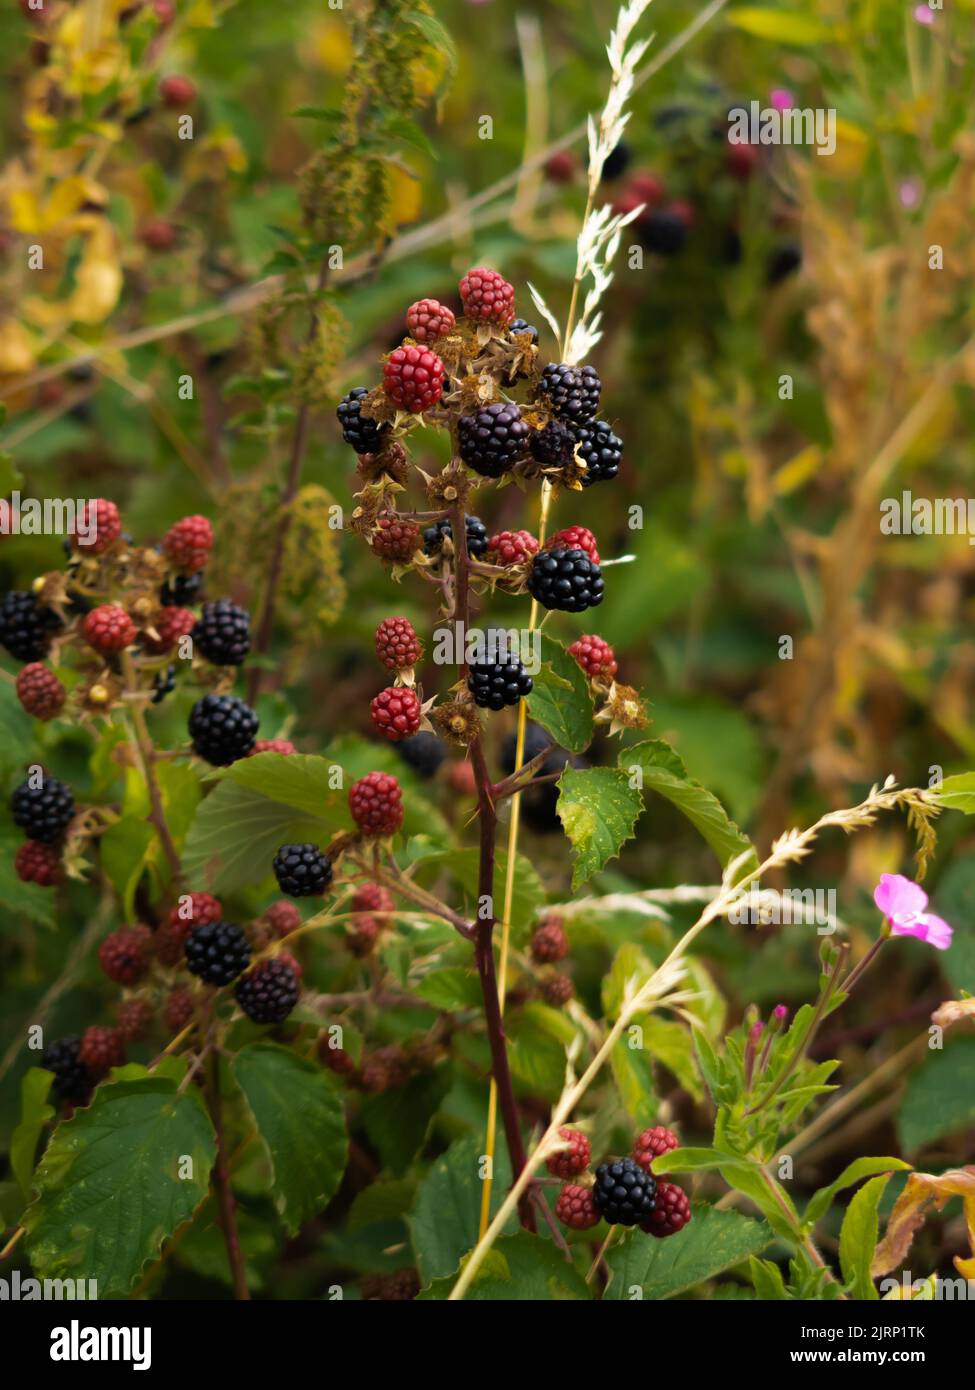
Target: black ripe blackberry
{"type": "Point", "coordinates": [182, 590]}
{"type": "Point", "coordinates": [477, 536]}
{"type": "Point", "coordinates": [601, 450]}
{"type": "Point", "coordinates": [623, 1193]}
{"type": "Point", "coordinates": [423, 752]}
{"type": "Point", "coordinates": [522, 326]}
{"type": "Point", "coordinates": [363, 435]}
{"type": "Point", "coordinates": [554, 444]}
{"type": "Point", "coordinates": [495, 684]}
{"type": "Point", "coordinates": [565, 579]}
{"type": "Point", "coordinates": [302, 870]}
{"type": "Point", "coordinates": [164, 684]}
{"type": "Point", "coordinates": [269, 992]}
{"type": "Point", "coordinates": [72, 1080]}
{"type": "Point", "coordinates": [223, 728]}
{"type": "Point", "coordinates": [217, 952]}
{"type": "Point", "coordinates": [26, 626]}
{"type": "Point", "coordinates": [571, 392]}
{"type": "Point", "coordinates": [43, 812]}
{"type": "Point", "coordinates": [617, 161]}
{"type": "Point", "coordinates": [782, 262]}
{"type": "Point", "coordinates": [662, 231]}
{"type": "Point", "coordinates": [493, 438]}
{"type": "Point", "coordinates": [222, 633]}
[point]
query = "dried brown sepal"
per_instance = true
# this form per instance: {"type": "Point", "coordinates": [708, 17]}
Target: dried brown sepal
{"type": "Point", "coordinates": [451, 487]}
{"type": "Point", "coordinates": [623, 708]}
{"type": "Point", "coordinates": [458, 721]}
{"type": "Point", "coordinates": [392, 464]}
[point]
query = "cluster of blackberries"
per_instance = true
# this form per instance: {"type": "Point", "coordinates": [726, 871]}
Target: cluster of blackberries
{"type": "Point", "coordinates": [624, 1191]}
{"type": "Point", "coordinates": [477, 536]}
{"type": "Point", "coordinates": [43, 807]}
{"type": "Point", "coordinates": [223, 728]}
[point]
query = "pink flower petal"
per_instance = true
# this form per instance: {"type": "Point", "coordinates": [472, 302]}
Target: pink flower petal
{"type": "Point", "coordinates": [897, 896]}
{"type": "Point", "coordinates": [913, 927]}
{"type": "Point", "coordinates": [938, 932]}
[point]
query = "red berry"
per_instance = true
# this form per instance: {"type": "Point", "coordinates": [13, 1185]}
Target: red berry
{"type": "Point", "coordinates": [177, 91]}
{"type": "Point", "coordinates": [413, 378]}
{"type": "Point", "coordinates": [428, 320]}
{"type": "Point", "coordinates": [671, 1213]}
{"type": "Point", "coordinates": [683, 210]}
{"type": "Point", "coordinates": [363, 934]}
{"type": "Point", "coordinates": [652, 1143]}
{"type": "Point", "coordinates": [156, 234]}
{"type": "Point", "coordinates": [37, 863]}
{"type": "Point", "coordinates": [283, 918]}
{"type": "Point", "coordinates": [397, 644]}
{"type": "Point", "coordinates": [284, 746]}
{"type": "Point", "coordinates": [133, 1017]}
{"type": "Point", "coordinates": [575, 538]}
{"type": "Point", "coordinates": [557, 990]}
{"type": "Point", "coordinates": [560, 167]}
{"type": "Point", "coordinates": [170, 626]}
{"type": "Point", "coordinates": [39, 690]}
{"type": "Point", "coordinates": [98, 526]}
{"type": "Point", "coordinates": [376, 802]}
{"type": "Point", "coordinates": [626, 201]}
{"type": "Point", "coordinates": [124, 954]}
{"type": "Point", "coordinates": [595, 656]}
{"type": "Point", "coordinates": [180, 1008]}
{"type": "Point", "coordinates": [188, 543]}
{"type": "Point", "coordinates": [575, 1207]}
{"type": "Point", "coordinates": [511, 547]}
{"type": "Point", "coordinates": [335, 1058]}
{"type": "Point", "coordinates": [395, 539]}
{"type": "Point", "coordinates": [647, 187]}
{"type": "Point", "coordinates": [372, 897]}
{"type": "Point", "coordinates": [741, 159]}
{"type": "Point", "coordinates": [486, 295]}
{"type": "Point", "coordinates": [568, 1163]}
{"type": "Point", "coordinates": [108, 628]}
{"type": "Point", "coordinates": [192, 910]}
{"type": "Point", "coordinates": [396, 712]}
{"type": "Point", "coordinates": [101, 1049]}
{"type": "Point", "coordinates": [549, 942]}
{"type": "Point", "coordinates": [461, 777]}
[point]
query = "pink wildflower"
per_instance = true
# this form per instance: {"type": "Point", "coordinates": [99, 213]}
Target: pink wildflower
{"type": "Point", "coordinates": [902, 903]}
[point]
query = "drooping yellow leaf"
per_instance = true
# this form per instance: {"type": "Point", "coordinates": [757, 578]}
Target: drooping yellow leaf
{"type": "Point", "coordinates": [921, 1191]}
{"type": "Point", "coordinates": [98, 282]}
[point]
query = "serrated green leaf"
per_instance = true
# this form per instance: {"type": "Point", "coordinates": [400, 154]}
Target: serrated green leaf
{"type": "Point", "coordinates": [444, 1223]}
{"type": "Point", "coordinates": [854, 1172]}
{"type": "Point", "coordinates": [654, 1269]}
{"type": "Point", "coordinates": [630, 969]}
{"type": "Point", "coordinates": [690, 1160]}
{"type": "Point", "coordinates": [598, 809]}
{"type": "Point", "coordinates": [633, 1074]}
{"type": "Point", "coordinates": [956, 793]}
{"type": "Point", "coordinates": [124, 850]}
{"type": "Point", "coordinates": [940, 1095]}
{"type": "Point", "coordinates": [301, 1122]}
{"type": "Point", "coordinates": [236, 833]}
{"type": "Point", "coordinates": [671, 1045]}
{"type": "Point", "coordinates": [560, 700]}
{"type": "Point", "coordinates": [381, 1201]}
{"type": "Point", "coordinates": [452, 988]}
{"type": "Point", "coordinates": [35, 1112]}
{"type": "Point", "coordinates": [117, 1179]}
{"type": "Point", "coordinates": [858, 1237]}
{"type": "Point", "coordinates": [519, 1268]}
{"type": "Point", "coordinates": [768, 1281]}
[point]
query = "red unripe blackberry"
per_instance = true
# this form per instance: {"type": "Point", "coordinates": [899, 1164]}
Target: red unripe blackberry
{"type": "Point", "coordinates": [108, 628]}
{"type": "Point", "coordinates": [413, 378]}
{"type": "Point", "coordinates": [627, 201]}
{"type": "Point", "coordinates": [362, 935]}
{"type": "Point", "coordinates": [460, 776]}
{"type": "Point", "coordinates": [376, 803]}
{"type": "Point", "coordinates": [335, 1058]}
{"type": "Point", "coordinates": [595, 656]}
{"type": "Point", "coordinates": [284, 746]}
{"type": "Point", "coordinates": [101, 1049]}
{"type": "Point", "coordinates": [191, 911]}
{"type": "Point", "coordinates": [157, 234]}
{"type": "Point", "coordinates": [188, 542]}
{"type": "Point", "coordinates": [38, 863]}
{"type": "Point", "coordinates": [283, 918]}
{"type": "Point", "coordinates": [180, 1008]}
{"type": "Point", "coordinates": [269, 992]}
{"type": "Point", "coordinates": [652, 1143]}
{"type": "Point", "coordinates": [549, 942]}
{"type": "Point", "coordinates": [428, 320]}
{"type": "Point", "coordinates": [570, 1162]}
{"type": "Point", "coordinates": [396, 712]}
{"type": "Point", "coordinates": [575, 538]}
{"type": "Point", "coordinates": [647, 187]}
{"type": "Point", "coordinates": [575, 1207]}
{"type": "Point", "coordinates": [511, 547]}
{"type": "Point", "coordinates": [742, 159]}
{"type": "Point", "coordinates": [560, 167]}
{"type": "Point", "coordinates": [98, 526]}
{"type": "Point", "coordinates": [671, 1213]}
{"type": "Point", "coordinates": [39, 690]}
{"type": "Point", "coordinates": [170, 626]}
{"type": "Point", "coordinates": [487, 296]}
{"type": "Point", "coordinates": [133, 1017]}
{"type": "Point", "coordinates": [177, 91]}
{"type": "Point", "coordinates": [394, 538]}
{"type": "Point", "coordinates": [124, 954]}
{"type": "Point", "coordinates": [557, 990]}
{"type": "Point", "coordinates": [372, 897]}
{"type": "Point", "coordinates": [682, 209]}
{"type": "Point", "coordinates": [397, 644]}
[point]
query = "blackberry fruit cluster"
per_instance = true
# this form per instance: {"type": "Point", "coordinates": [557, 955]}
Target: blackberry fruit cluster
{"type": "Point", "coordinates": [424, 752]}
{"type": "Point", "coordinates": [395, 539]}
{"type": "Point", "coordinates": [269, 992]}
{"type": "Point", "coordinates": [397, 645]}
{"type": "Point", "coordinates": [601, 450]}
{"type": "Point", "coordinates": [523, 326]}
{"type": "Point", "coordinates": [575, 1207]}
{"type": "Point", "coordinates": [376, 803]}
{"type": "Point", "coordinates": [188, 544]}
{"type": "Point", "coordinates": [223, 728]}
{"type": "Point", "coordinates": [566, 580]}
{"type": "Point", "coordinates": [652, 1143]}
{"type": "Point", "coordinates": [43, 812]}
{"type": "Point", "coordinates": [495, 684]}
{"type": "Point", "coordinates": [217, 952]}
{"type": "Point", "coordinates": [554, 444]}
{"type": "Point", "coordinates": [624, 1195]}
{"type": "Point", "coordinates": [493, 438]}
{"type": "Point", "coordinates": [71, 1078]}
{"type": "Point", "coordinates": [477, 536]}
{"type": "Point", "coordinates": [39, 691]}
{"type": "Point", "coordinates": [302, 871]}
{"type": "Point", "coordinates": [570, 1162]}
{"type": "Point", "coordinates": [26, 626]}
{"type": "Point", "coordinates": [671, 1213]}
{"type": "Point", "coordinates": [222, 633]}
{"type": "Point", "coordinates": [99, 527]}
{"type": "Point", "coordinates": [364, 435]}
{"type": "Point", "coordinates": [124, 954]}
{"type": "Point", "coordinates": [396, 712]}
{"type": "Point", "coordinates": [549, 942]}
{"type": "Point", "coordinates": [37, 863]}
{"type": "Point", "coordinates": [413, 378]}
{"type": "Point", "coordinates": [572, 393]}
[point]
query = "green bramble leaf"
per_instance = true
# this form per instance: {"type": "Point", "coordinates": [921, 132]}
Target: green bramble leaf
{"type": "Point", "coordinates": [955, 793]}
{"type": "Point", "coordinates": [301, 1121]}
{"type": "Point", "coordinates": [124, 849]}
{"type": "Point", "coordinates": [236, 833]}
{"type": "Point", "coordinates": [598, 809]}
{"type": "Point", "coordinates": [767, 1279]}
{"type": "Point", "coordinates": [653, 1269]}
{"type": "Point", "coordinates": [521, 1267]}
{"type": "Point", "coordinates": [858, 1237]}
{"type": "Point", "coordinates": [940, 1095]}
{"type": "Point", "coordinates": [35, 1112]}
{"type": "Point", "coordinates": [633, 1073]}
{"type": "Point", "coordinates": [444, 1222]}
{"type": "Point", "coordinates": [821, 1201]}
{"type": "Point", "coordinates": [560, 701]}
{"type": "Point", "coordinates": [453, 988]}
{"type": "Point", "coordinates": [117, 1179]}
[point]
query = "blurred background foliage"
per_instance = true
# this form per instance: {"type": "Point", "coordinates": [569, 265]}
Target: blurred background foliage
{"type": "Point", "coordinates": [760, 514]}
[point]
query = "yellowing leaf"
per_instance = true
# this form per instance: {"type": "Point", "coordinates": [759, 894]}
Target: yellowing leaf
{"type": "Point", "coordinates": [332, 45]}
{"type": "Point", "coordinates": [406, 197]}
{"type": "Point", "coordinates": [16, 350]}
{"type": "Point", "coordinates": [99, 278]}
{"type": "Point", "coordinates": [850, 152]}
{"type": "Point", "coordinates": [779, 25]}
{"type": "Point", "coordinates": [923, 1190]}
{"type": "Point", "coordinates": [797, 470]}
